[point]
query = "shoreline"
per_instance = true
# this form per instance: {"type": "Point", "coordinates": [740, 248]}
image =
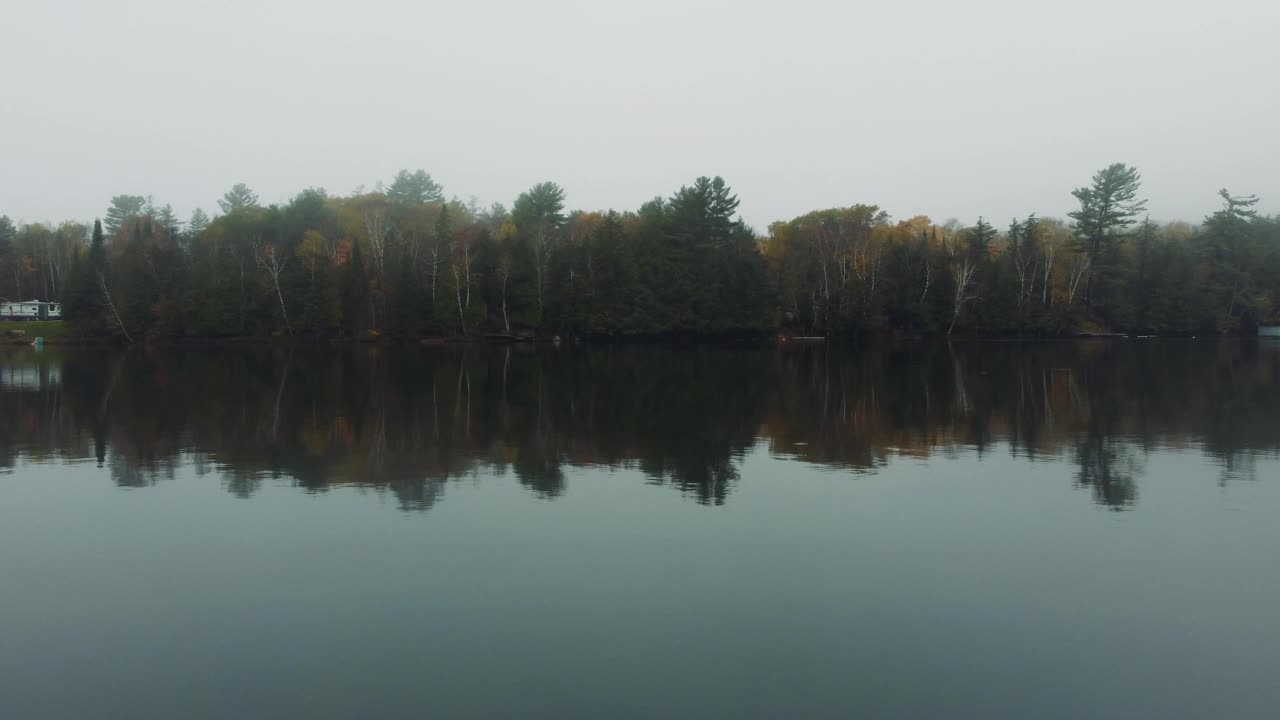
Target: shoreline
{"type": "Point", "coordinates": [69, 339]}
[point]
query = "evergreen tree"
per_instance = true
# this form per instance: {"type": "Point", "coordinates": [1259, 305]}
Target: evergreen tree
{"type": "Point", "coordinates": [8, 259]}
{"type": "Point", "coordinates": [169, 220]}
{"type": "Point", "coordinates": [198, 223]}
{"type": "Point", "coordinates": [7, 233]}
{"type": "Point", "coordinates": [239, 197]}
{"type": "Point", "coordinates": [441, 245]}
{"type": "Point", "coordinates": [415, 187]}
{"type": "Point", "coordinates": [538, 214]}
{"type": "Point", "coordinates": [1226, 245]}
{"type": "Point", "coordinates": [98, 252]}
{"type": "Point", "coordinates": [978, 239]}
{"type": "Point", "coordinates": [1107, 206]}
{"type": "Point", "coordinates": [83, 304]}
{"type": "Point", "coordinates": [494, 217]}
{"type": "Point", "coordinates": [1143, 287]}
{"type": "Point", "coordinates": [123, 208]}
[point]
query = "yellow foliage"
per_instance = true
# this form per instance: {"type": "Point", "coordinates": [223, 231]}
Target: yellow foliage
{"type": "Point", "coordinates": [312, 250]}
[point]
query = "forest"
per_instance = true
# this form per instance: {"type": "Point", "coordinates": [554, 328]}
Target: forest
{"type": "Point", "coordinates": [405, 262]}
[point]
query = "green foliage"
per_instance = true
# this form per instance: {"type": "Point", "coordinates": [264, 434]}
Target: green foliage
{"type": "Point", "coordinates": [1110, 202]}
{"type": "Point", "coordinates": [1229, 245]}
{"type": "Point", "coordinates": [123, 208]}
{"type": "Point", "coordinates": [83, 303]}
{"type": "Point", "coordinates": [168, 220]}
{"type": "Point", "coordinates": [494, 217]}
{"type": "Point", "coordinates": [538, 215]}
{"type": "Point", "coordinates": [7, 233]}
{"type": "Point", "coordinates": [405, 264]}
{"type": "Point", "coordinates": [688, 267]}
{"type": "Point", "coordinates": [239, 197]}
{"type": "Point", "coordinates": [541, 204]}
{"type": "Point", "coordinates": [198, 223]}
{"type": "Point", "coordinates": [415, 187]}
{"type": "Point", "coordinates": [1109, 205]}
{"type": "Point", "coordinates": [1039, 278]}
{"type": "Point", "coordinates": [148, 269]}
{"type": "Point", "coordinates": [978, 238]}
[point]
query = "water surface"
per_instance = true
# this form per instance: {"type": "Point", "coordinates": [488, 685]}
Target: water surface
{"type": "Point", "coordinates": [1071, 529]}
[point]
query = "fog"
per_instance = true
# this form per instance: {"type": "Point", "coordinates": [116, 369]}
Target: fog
{"type": "Point", "coordinates": [939, 108]}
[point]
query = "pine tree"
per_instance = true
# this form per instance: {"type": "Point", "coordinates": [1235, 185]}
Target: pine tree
{"type": "Point", "coordinates": [239, 197]}
{"type": "Point", "coordinates": [7, 233]}
{"type": "Point", "coordinates": [8, 260]}
{"type": "Point", "coordinates": [1226, 246]}
{"type": "Point", "coordinates": [84, 305]}
{"type": "Point", "coordinates": [539, 216]}
{"type": "Point", "coordinates": [169, 220]}
{"type": "Point", "coordinates": [979, 238]}
{"type": "Point", "coordinates": [198, 223]}
{"type": "Point", "coordinates": [1107, 206]}
{"type": "Point", "coordinates": [98, 252]}
{"type": "Point", "coordinates": [415, 187]}
{"type": "Point", "coordinates": [123, 208]}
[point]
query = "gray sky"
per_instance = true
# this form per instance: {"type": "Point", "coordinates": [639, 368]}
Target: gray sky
{"type": "Point", "coordinates": [947, 108]}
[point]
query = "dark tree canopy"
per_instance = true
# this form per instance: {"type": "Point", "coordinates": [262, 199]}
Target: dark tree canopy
{"type": "Point", "coordinates": [543, 204]}
{"type": "Point", "coordinates": [979, 238]}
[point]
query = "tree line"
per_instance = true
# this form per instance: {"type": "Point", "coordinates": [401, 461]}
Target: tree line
{"type": "Point", "coordinates": [403, 261]}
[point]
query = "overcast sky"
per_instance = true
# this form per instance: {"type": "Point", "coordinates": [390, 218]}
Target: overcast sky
{"type": "Point", "coordinates": [948, 108]}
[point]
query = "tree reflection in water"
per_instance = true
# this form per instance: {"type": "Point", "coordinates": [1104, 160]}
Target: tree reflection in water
{"type": "Point", "coordinates": [409, 422]}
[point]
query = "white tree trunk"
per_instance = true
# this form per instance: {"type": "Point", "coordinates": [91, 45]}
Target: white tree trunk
{"type": "Point", "coordinates": [964, 290]}
{"type": "Point", "coordinates": [106, 295]}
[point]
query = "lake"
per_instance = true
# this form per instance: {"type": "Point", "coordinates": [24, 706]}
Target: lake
{"type": "Point", "coordinates": [982, 529]}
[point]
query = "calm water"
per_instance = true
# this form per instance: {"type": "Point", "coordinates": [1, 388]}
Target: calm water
{"type": "Point", "coordinates": [988, 530]}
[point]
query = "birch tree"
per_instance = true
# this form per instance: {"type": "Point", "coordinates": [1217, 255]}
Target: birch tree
{"type": "Point", "coordinates": [506, 260]}
{"type": "Point", "coordinates": [966, 258]}
{"type": "Point", "coordinates": [962, 272]}
{"type": "Point", "coordinates": [462, 258]}
{"type": "Point", "coordinates": [440, 244]}
{"type": "Point", "coordinates": [273, 263]}
{"type": "Point", "coordinates": [377, 226]}
{"type": "Point", "coordinates": [1023, 250]}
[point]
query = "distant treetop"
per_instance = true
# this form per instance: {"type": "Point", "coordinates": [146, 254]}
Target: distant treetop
{"type": "Point", "coordinates": [415, 187]}
{"type": "Point", "coordinates": [238, 197]}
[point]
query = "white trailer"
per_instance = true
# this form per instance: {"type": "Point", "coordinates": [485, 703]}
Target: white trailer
{"type": "Point", "coordinates": [30, 310]}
